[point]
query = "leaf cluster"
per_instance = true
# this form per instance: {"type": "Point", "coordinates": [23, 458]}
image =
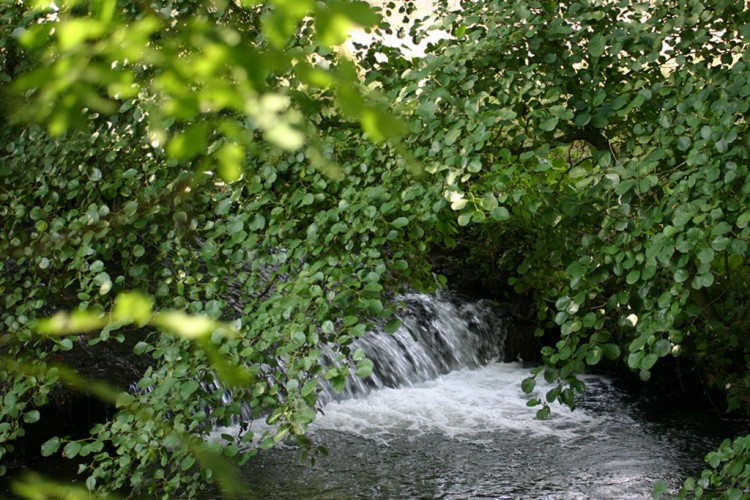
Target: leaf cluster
{"type": "Point", "coordinates": [610, 148]}
{"type": "Point", "coordinates": [607, 142]}
{"type": "Point", "coordinates": [231, 163]}
{"type": "Point", "coordinates": [228, 166]}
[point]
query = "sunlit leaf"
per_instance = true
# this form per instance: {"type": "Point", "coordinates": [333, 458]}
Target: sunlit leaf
{"type": "Point", "coordinates": [185, 325]}
{"type": "Point", "coordinates": [133, 308]}
{"type": "Point", "coordinates": [76, 322]}
{"type": "Point", "coordinates": [231, 158]}
{"type": "Point", "coordinates": [380, 125]}
{"type": "Point", "coordinates": [189, 143]}
{"type": "Point", "coordinates": [334, 22]}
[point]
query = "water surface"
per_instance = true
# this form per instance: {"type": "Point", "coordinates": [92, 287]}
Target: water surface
{"type": "Point", "coordinates": [469, 434]}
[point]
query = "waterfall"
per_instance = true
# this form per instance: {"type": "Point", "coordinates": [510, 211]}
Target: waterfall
{"type": "Point", "coordinates": [438, 334]}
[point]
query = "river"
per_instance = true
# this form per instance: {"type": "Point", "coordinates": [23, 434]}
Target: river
{"type": "Point", "coordinates": [466, 431]}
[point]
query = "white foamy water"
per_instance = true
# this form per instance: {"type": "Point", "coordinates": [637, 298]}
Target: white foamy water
{"type": "Point", "coordinates": [439, 334]}
{"type": "Point", "coordinates": [469, 434]}
{"type": "Point", "coordinates": [464, 404]}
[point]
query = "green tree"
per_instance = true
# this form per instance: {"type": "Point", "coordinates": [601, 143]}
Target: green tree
{"type": "Point", "coordinates": [225, 160]}
{"type": "Point", "coordinates": [607, 141]}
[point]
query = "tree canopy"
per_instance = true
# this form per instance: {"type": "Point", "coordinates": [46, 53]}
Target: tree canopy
{"type": "Point", "coordinates": [266, 193]}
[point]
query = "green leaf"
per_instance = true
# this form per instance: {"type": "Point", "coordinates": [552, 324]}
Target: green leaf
{"type": "Point", "coordinates": [703, 280]}
{"type": "Point", "coordinates": [381, 125]}
{"type": "Point", "coordinates": [610, 180]}
{"type": "Point", "coordinates": [648, 361]}
{"type": "Point", "coordinates": [660, 487]}
{"type": "Point", "coordinates": [488, 202]}
{"type": "Point", "coordinates": [552, 394]}
{"type": "Point", "coordinates": [188, 388]}
{"type": "Point", "coordinates": [364, 368]}
{"type": "Point", "coordinates": [452, 136]}
{"type": "Point", "coordinates": [528, 384]}
{"type": "Point", "coordinates": [77, 31]}
{"type": "Point", "coordinates": [338, 383]}
{"type": "Point", "coordinates": [31, 416]}
{"type": "Point", "coordinates": [734, 493]}
{"type": "Point", "coordinates": [72, 449]}
{"type": "Point", "coordinates": [633, 277]}
{"type": "Point", "coordinates": [705, 255]}
{"type": "Point", "coordinates": [334, 22]}
{"type": "Point", "coordinates": [76, 322]}
{"type": "Point", "coordinates": [611, 351]}
{"type": "Point", "coordinates": [596, 45]}
{"type": "Point", "coordinates": [459, 204]}
{"type": "Point", "coordinates": [720, 243]}
{"type": "Point", "coordinates": [187, 462]}
{"type": "Point", "coordinates": [400, 222]}
{"type": "Point", "coordinates": [299, 338]}
{"type": "Point", "coordinates": [594, 355]}
{"type": "Point", "coordinates": [582, 119]}
{"type": "Point", "coordinates": [634, 359]}
{"type": "Point", "coordinates": [189, 143]}
{"type": "Point", "coordinates": [132, 308]}
{"type": "Point", "coordinates": [638, 343]}
{"type": "Point", "coordinates": [681, 275]}
{"type": "Point", "coordinates": [500, 213]}
{"type": "Point", "coordinates": [234, 226]}
{"type": "Point", "coordinates": [743, 220]}
{"type": "Point", "coordinates": [392, 326]}
{"type": "Point", "coordinates": [124, 399]}
{"type": "Point", "coordinates": [576, 270]}
{"type": "Point", "coordinates": [267, 443]}
{"type": "Point", "coordinates": [662, 347]}
{"type": "Point", "coordinates": [231, 158]}
{"type": "Point", "coordinates": [649, 270]}
{"type": "Point", "coordinates": [141, 347]}
{"type": "Point", "coordinates": [544, 413]}
{"type": "Point", "coordinates": [625, 186]}
{"type": "Point", "coordinates": [549, 124]}
{"type": "Point", "coordinates": [50, 446]}
{"type": "Point", "coordinates": [478, 217]}
{"type": "Point", "coordinates": [187, 326]}
{"type": "Point", "coordinates": [309, 387]}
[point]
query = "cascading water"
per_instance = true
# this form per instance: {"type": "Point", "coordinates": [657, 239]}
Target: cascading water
{"type": "Point", "coordinates": [437, 335]}
{"type": "Point", "coordinates": [443, 417]}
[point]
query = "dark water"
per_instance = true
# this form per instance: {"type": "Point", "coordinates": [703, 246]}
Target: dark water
{"type": "Point", "coordinates": [468, 434]}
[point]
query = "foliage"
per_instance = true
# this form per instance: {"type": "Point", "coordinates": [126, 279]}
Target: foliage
{"type": "Point", "coordinates": [229, 162]}
{"type": "Point", "coordinates": [211, 156]}
{"type": "Point", "coordinates": [597, 152]}
{"type": "Point", "coordinates": [613, 148]}
{"type": "Point", "coordinates": [728, 474]}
